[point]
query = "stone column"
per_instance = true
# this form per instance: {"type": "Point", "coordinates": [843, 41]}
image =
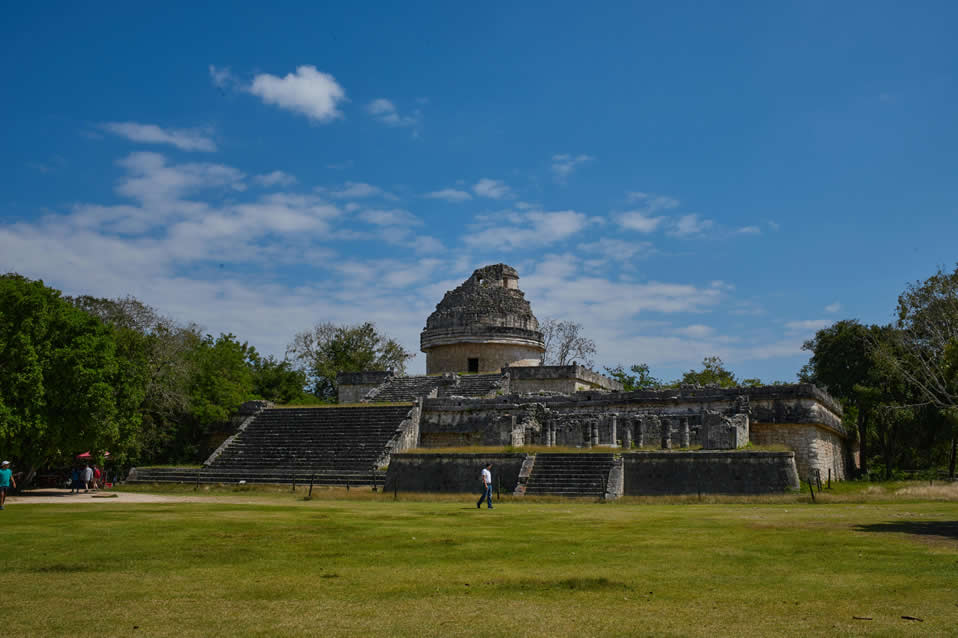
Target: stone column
{"type": "Point", "coordinates": [554, 434]}
{"type": "Point", "coordinates": [614, 433]}
{"type": "Point", "coordinates": [704, 432]}
{"type": "Point", "coordinates": [595, 432]}
{"type": "Point", "coordinates": [639, 431]}
{"type": "Point", "coordinates": [586, 432]}
{"type": "Point", "coordinates": [517, 439]}
{"type": "Point", "coordinates": [627, 434]}
{"type": "Point", "coordinates": [666, 434]}
{"type": "Point", "coordinates": [684, 430]}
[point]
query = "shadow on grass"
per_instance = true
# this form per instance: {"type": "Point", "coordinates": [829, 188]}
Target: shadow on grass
{"type": "Point", "coordinates": [566, 584]}
{"type": "Point", "coordinates": [943, 529]}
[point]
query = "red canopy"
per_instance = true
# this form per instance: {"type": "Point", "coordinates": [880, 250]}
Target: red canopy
{"type": "Point", "coordinates": [87, 455]}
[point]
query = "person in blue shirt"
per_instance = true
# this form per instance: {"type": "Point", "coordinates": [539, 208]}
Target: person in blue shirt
{"type": "Point", "coordinates": [6, 481]}
{"type": "Point", "coordinates": [75, 480]}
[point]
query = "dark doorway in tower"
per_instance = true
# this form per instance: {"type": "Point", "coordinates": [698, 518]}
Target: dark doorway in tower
{"type": "Point", "coordinates": [473, 365]}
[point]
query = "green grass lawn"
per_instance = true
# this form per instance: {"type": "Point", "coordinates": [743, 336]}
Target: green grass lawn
{"type": "Point", "coordinates": [370, 566]}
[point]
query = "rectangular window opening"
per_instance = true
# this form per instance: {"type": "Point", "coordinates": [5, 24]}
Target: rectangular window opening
{"type": "Point", "coordinates": [473, 365]}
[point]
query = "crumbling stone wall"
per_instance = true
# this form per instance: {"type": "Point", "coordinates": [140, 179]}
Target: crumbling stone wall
{"type": "Point", "coordinates": [659, 473]}
{"type": "Point", "coordinates": [452, 472]}
{"type": "Point", "coordinates": [563, 379]}
{"type": "Point", "coordinates": [406, 436]}
{"type": "Point", "coordinates": [818, 448]}
{"type": "Point", "coordinates": [538, 421]}
{"type": "Point", "coordinates": [713, 418]}
{"type": "Point", "coordinates": [637, 473]}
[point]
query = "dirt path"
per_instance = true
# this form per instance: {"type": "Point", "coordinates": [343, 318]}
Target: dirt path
{"type": "Point", "coordinates": [53, 496]}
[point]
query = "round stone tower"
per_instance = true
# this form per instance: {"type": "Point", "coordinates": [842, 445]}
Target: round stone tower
{"type": "Point", "coordinates": [482, 326]}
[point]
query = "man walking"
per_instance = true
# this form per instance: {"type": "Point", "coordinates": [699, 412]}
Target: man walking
{"type": "Point", "coordinates": [87, 477]}
{"type": "Point", "coordinates": [486, 486]}
{"type": "Point", "coordinates": [6, 481]}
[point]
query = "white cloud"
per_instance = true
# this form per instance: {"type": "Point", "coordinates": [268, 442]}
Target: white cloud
{"type": "Point", "coordinates": [426, 245]}
{"type": "Point", "coordinates": [807, 325]}
{"type": "Point", "coordinates": [608, 306]}
{"type": "Point", "coordinates": [151, 180]}
{"type": "Point", "coordinates": [396, 217]}
{"type": "Point", "coordinates": [618, 249]}
{"type": "Point", "coordinates": [749, 230]}
{"type": "Point", "coordinates": [450, 195]}
{"type": "Point", "coordinates": [525, 229]}
{"type": "Point", "coordinates": [639, 221]}
{"type": "Point", "coordinates": [307, 91]}
{"type": "Point", "coordinates": [276, 178]}
{"type": "Point", "coordinates": [359, 190]}
{"type": "Point", "coordinates": [651, 202]}
{"type": "Point", "coordinates": [386, 112]}
{"type": "Point", "coordinates": [695, 331]}
{"type": "Point", "coordinates": [564, 165]}
{"type": "Point", "coordinates": [183, 139]}
{"type": "Point", "coordinates": [491, 188]}
{"type": "Point", "coordinates": [222, 78]}
{"type": "Point", "coordinates": [833, 307]}
{"type": "Point", "coordinates": [690, 226]}
{"type": "Point", "coordinates": [747, 307]}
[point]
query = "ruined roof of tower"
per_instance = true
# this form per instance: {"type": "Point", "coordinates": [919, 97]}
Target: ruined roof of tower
{"type": "Point", "coordinates": [484, 303]}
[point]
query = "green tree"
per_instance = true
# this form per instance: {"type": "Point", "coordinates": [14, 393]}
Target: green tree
{"type": "Point", "coordinates": [222, 378]}
{"type": "Point", "coordinates": [279, 381]}
{"type": "Point", "coordinates": [328, 349]}
{"type": "Point", "coordinates": [158, 352]}
{"type": "Point", "coordinates": [638, 377]}
{"type": "Point", "coordinates": [927, 327]}
{"type": "Point", "coordinates": [713, 372]}
{"type": "Point", "coordinates": [62, 387]}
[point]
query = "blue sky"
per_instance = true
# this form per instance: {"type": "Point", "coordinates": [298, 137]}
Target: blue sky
{"type": "Point", "coordinates": [684, 180]}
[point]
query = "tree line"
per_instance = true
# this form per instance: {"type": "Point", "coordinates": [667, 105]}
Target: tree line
{"type": "Point", "coordinates": [86, 373]}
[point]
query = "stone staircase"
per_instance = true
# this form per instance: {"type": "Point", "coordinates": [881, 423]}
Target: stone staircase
{"type": "Point", "coordinates": [472, 385]}
{"type": "Point", "coordinates": [333, 446]}
{"type": "Point", "coordinates": [583, 475]}
{"type": "Point", "coordinates": [405, 389]}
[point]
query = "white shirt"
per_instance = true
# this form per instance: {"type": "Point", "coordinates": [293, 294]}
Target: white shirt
{"type": "Point", "coordinates": [486, 476]}
{"type": "Point", "coordinates": [88, 474]}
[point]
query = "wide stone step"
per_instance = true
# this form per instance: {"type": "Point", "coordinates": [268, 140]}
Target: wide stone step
{"type": "Point", "coordinates": [280, 444]}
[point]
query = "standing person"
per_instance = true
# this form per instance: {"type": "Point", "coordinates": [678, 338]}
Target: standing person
{"type": "Point", "coordinates": [96, 477]}
{"type": "Point", "coordinates": [486, 486]}
{"type": "Point", "coordinates": [87, 477]}
{"type": "Point", "coordinates": [6, 481]}
{"type": "Point", "coordinates": [75, 480]}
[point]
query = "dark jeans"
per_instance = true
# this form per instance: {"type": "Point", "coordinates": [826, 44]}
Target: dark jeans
{"type": "Point", "coordinates": [486, 496]}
